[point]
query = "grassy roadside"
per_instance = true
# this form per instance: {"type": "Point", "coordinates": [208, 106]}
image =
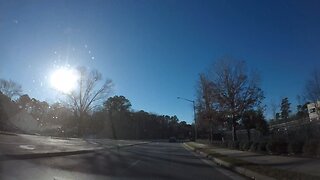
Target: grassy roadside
{"type": "Point", "coordinates": [259, 168]}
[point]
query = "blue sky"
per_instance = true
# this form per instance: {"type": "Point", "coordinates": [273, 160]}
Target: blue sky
{"type": "Point", "coordinates": [154, 50]}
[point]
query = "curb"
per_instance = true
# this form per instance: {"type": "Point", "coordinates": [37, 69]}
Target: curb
{"type": "Point", "coordinates": [43, 155]}
{"type": "Point", "coordinates": [244, 171]}
{"type": "Point", "coordinates": [8, 133]}
{"type": "Point", "coordinates": [127, 145]}
{"type": "Point", "coordinates": [61, 153]}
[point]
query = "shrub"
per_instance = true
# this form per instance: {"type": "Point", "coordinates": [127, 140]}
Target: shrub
{"type": "Point", "coordinates": [244, 145]}
{"type": "Point", "coordinates": [277, 146]}
{"type": "Point", "coordinates": [254, 147]}
{"type": "Point", "coordinates": [262, 147]}
{"type": "Point", "coordinates": [310, 147]}
{"type": "Point", "coordinates": [241, 145]}
{"type": "Point", "coordinates": [233, 145]}
{"type": "Point", "coordinates": [295, 147]}
{"type": "Point", "coordinates": [224, 144]}
{"type": "Point", "coordinates": [217, 143]}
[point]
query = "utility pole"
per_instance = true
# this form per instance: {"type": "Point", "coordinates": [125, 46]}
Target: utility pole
{"type": "Point", "coordinates": [194, 116]}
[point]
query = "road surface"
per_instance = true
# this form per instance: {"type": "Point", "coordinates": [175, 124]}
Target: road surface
{"type": "Point", "coordinates": [157, 160]}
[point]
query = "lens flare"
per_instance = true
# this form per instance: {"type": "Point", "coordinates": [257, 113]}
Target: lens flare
{"type": "Point", "coordinates": [64, 79]}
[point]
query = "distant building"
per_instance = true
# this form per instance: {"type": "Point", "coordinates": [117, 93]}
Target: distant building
{"type": "Point", "coordinates": [314, 110]}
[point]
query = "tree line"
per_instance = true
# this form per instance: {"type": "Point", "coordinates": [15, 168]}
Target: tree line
{"type": "Point", "coordinates": [229, 98]}
{"type": "Point", "coordinates": [285, 113]}
{"type": "Point", "coordinates": [88, 111]}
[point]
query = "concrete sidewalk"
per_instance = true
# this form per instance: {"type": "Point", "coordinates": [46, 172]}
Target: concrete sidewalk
{"type": "Point", "coordinates": [309, 166]}
{"type": "Point", "coordinates": [298, 164]}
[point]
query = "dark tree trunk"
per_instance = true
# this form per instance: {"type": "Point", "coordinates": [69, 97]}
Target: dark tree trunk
{"type": "Point", "coordinates": [211, 132]}
{"type": "Point", "coordinates": [80, 125]}
{"type": "Point", "coordinates": [249, 134]}
{"type": "Point", "coordinates": [114, 134]}
{"type": "Point", "coordinates": [234, 134]}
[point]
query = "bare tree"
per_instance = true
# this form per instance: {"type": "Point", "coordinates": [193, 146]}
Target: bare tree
{"type": "Point", "coordinates": [88, 94]}
{"type": "Point", "coordinates": [235, 89]}
{"type": "Point", "coordinates": [312, 87]}
{"type": "Point", "coordinates": [205, 93]}
{"type": "Point", "coordinates": [10, 88]}
{"type": "Point", "coordinates": [205, 104]}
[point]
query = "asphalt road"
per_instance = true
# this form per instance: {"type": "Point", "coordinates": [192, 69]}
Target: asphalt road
{"type": "Point", "coordinates": [147, 161]}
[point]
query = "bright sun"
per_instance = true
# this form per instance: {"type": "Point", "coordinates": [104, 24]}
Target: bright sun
{"type": "Point", "coordinates": [64, 79]}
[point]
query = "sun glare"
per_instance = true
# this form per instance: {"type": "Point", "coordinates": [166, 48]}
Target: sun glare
{"type": "Point", "coordinates": [64, 79]}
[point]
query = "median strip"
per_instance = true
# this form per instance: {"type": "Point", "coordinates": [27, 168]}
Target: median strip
{"type": "Point", "coordinates": [249, 169]}
{"type": "Point", "coordinates": [34, 155]}
{"type": "Point", "coordinates": [44, 155]}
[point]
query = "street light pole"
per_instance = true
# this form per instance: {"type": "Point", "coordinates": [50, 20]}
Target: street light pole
{"type": "Point", "coordinates": [194, 116]}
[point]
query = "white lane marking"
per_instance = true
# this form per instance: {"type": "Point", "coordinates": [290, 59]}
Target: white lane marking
{"type": "Point", "coordinates": [60, 178]}
{"type": "Point", "coordinates": [131, 165]}
{"type": "Point", "coordinates": [95, 143]}
{"type": "Point", "coordinates": [226, 172]}
{"type": "Point", "coordinates": [28, 147]}
{"type": "Point", "coordinates": [134, 163]}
